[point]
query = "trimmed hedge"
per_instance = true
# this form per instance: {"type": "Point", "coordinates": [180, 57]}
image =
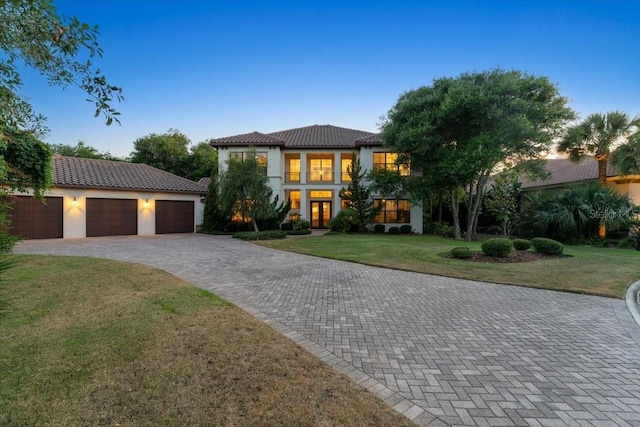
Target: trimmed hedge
{"type": "Point", "coordinates": [461, 253]}
{"type": "Point", "coordinates": [521, 244]}
{"type": "Point", "coordinates": [406, 229]}
{"type": "Point", "coordinates": [547, 246]}
{"type": "Point", "coordinates": [260, 235]}
{"type": "Point", "coordinates": [394, 230]}
{"type": "Point", "coordinates": [379, 228]}
{"type": "Point", "coordinates": [498, 247]}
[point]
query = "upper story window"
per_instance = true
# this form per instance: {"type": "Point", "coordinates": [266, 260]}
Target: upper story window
{"type": "Point", "coordinates": [321, 170]}
{"type": "Point", "coordinates": [293, 174]}
{"type": "Point", "coordinates": [261, 157]}
{"type": "Point", "coordinates": [389, 161]}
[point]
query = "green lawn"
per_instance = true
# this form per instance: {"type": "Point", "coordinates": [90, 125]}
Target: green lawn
{"type": "Point", "coordinates": [97, 342]}
{"type": "Point", "coordinates": [589, 270]}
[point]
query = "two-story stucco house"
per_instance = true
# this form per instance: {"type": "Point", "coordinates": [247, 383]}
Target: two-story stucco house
{"type": "Point", "coordinates": [309, 166]}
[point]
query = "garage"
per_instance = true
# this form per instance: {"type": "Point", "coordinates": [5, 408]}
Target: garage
{"type": "Point", "coordinates": [174, 216]}
{"type": "Point", "coordinates": [112, 217]}
{"type": "Point", "coordinates": [33, 219]}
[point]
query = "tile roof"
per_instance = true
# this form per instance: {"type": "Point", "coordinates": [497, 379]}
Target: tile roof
{"type": "Point", "coordinates": [316, 136]}
{"type": "Point", "coordinates": [565, 171]}
{"type": "Point", "coordinates": [205, 181]}
{"type": "Point", "coordinates": [106, 174]}
{"type": "Point", "coordinates": [253, 138]}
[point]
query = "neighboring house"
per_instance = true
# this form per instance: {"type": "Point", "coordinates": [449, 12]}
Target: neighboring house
{"type": "Point", "coordinates": [563, 172]}
{"type": "Point", "coordinates": [309, 166]}
{"type": "Point", "coordinates": [106, 198]}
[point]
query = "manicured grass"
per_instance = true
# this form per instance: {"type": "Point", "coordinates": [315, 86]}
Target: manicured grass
{"type": "Point", "coordinates": [97, 342]}
{"type": "Point", "coordinates": [590, 270]}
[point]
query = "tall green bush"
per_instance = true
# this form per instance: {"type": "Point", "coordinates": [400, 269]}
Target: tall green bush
{"type": "Point", "coordinates": [347, 220]}
{"type": "Point", "coordinates": [498, 247]}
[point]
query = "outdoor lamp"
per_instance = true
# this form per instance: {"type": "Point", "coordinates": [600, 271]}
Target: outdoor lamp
{"type": "Point", "coordinates": [146, 203]}
{"type": "Point", "coordinates": [74, 202]}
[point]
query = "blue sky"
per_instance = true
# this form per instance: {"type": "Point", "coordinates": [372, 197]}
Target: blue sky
{"type": "Point", "coordinates": [212, 68]}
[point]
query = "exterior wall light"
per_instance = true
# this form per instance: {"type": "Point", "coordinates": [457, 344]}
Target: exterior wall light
{"type": "Point", "coordinates": [146, 203]}
{"type": "Point", "coordinates": [74, 202]}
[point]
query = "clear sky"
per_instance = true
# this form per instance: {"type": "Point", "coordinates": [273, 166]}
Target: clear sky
{"type": "Point", "coordinates": [219, 68]}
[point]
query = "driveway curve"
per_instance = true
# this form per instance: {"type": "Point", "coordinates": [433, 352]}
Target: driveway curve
{"type": "Point", "coordinates": [443, 351]}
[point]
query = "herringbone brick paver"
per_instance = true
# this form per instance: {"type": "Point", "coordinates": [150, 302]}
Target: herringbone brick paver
{"type": "Point", "coordinates": [440, 350]}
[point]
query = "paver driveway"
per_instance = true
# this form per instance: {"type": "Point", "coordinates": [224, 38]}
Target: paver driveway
{"type": "Point", "coordinates": [467, 353]}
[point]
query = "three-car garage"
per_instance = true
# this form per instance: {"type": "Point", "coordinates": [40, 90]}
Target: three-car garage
{"type": "Point", "coordinates": [93, 198]}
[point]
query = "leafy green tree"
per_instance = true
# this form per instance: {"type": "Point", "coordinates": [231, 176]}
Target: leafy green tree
{"type": "Point", "coordinates": [213, 217]}
{"type": "Point", "coordinates": [34, 35]}
{"type": "Point", "coordinates": [458, 130]}
{"type": "Point", "coordinates": [244, 189]}
{"type": "Point", "coordinates": [201, 160]}
{"type": "Point", "coordinates": [357, 195]}
{"type": "Point", "coordinates": [166, 151]}
{"type": "Point", "coordinates": [626, 158]}
{"type": "Point", "coordinates": [26, 161]}
{"type": "Point", "coordinates": [81, 150]}
{"type": "Point", "coordinates": [501, 201]}
{"type": "Point", "coordinates": [596, 136]}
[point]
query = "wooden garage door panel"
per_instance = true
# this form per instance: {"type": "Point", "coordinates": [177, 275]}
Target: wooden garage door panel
{"type": "Point", "coordinates": [174, 216]}
{"type": "Point", "coordinates": [112, 217]}
{"type": "Point", "coordinates": [32, 219]}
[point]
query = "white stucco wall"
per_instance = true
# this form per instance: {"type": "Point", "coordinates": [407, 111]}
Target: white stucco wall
{"type": "Point", "coordinates": [74, 223]}
{"type": "Point", "coordinates": [276, 168]}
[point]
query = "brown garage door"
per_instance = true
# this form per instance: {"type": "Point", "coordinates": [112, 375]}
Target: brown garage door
{"type": "Point", "coordinates": [33, 219]}
{"type": "Point", "coordinates": [112, 217]}
{"type": "Point", "coordinates": [174, 216]}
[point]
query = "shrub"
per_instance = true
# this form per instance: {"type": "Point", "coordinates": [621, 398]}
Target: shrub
{"type": "Point", "coordinates": [300, 224]}
{"type": "Point", "coordinates": [438, 229]}
{"type": "Point", "coordinates": [497, 247]}
{"type": "Point", "coordinates": [298, 232]}
{"type": "Point", "coordinates": [394, 230]}
{"type": "Point", "coordinates": [461, 253]}
{"type": "Point", "coordinates": [547, 246]}
{"type": "Point", "coordinates": [286, 226]}
{"type": "Point", "coordinates": [346, 220]}
{"type": "Point", "coordinates": [7, 241]}
{"type": "Point", "coordinates": [521, 244]}
{"type": "Point", "coordinates": [260, 235]}
{"type": "Point", "coordinates": [379, 228]}
{"type": "Point", "coordinates": [406, 229]}
{"type": "Point", "coordinates": [628, 242]}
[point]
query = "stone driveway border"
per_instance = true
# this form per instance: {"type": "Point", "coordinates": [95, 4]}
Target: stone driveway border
{"type": "Point", "coordinates": [442, 351]}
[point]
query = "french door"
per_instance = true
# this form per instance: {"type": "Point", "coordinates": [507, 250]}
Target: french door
{"type": "Point", "coordinates": [320, 214]}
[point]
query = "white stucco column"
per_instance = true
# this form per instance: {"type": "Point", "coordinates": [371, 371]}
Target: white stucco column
{"type": "Point", "coordinates": [337, 169]}
{"type": "Point", "coordinates": [303, 168]}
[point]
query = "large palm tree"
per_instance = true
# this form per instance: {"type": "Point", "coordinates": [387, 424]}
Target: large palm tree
{"type": "Point", "coordinates": [626, 158]}
{"type": "Point", "coordinates": [597, 136]}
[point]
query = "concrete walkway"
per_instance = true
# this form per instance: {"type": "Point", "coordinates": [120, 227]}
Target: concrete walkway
{"type": "Point", "coordinates": [442, 351]}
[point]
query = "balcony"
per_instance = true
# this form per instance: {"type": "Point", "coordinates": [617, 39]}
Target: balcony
{"type": "Point", "coordinates": [320, 177]}
{"type": "Point", "coordinates": [292, 177]}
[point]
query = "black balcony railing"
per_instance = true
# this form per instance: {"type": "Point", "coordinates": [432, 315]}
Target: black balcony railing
{"type": "Point", "coordinates": [292, 177]}
{"type": "Point", "coordinates": [320, 176]}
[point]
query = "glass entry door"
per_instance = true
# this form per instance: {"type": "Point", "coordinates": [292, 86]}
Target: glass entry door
{"type": "Point", "coordinates": [320, 214]}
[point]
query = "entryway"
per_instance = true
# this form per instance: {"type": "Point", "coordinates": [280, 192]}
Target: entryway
{"type": "Point", "coordinates": [320, 214]}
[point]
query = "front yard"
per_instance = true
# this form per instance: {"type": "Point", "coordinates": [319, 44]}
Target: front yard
{"type": "Point", "coordinates": [97, 342]}
{"type": "Point", "coordinates": [589, 270]}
